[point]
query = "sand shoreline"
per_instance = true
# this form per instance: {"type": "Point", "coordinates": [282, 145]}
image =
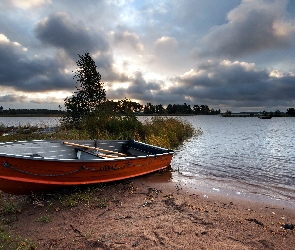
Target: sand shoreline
{"type": "Point", "coordinates": [242, 197]}
{"type": "Point", "coordinates": [147, 213]}
{"type": "Point", "coordinates": [215, 192]}
{"type": "Point", "coordinates": [250, 200]}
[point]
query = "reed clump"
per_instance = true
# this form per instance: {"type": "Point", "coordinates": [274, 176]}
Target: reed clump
{"type": "Point", "coordinates": [168, 132]}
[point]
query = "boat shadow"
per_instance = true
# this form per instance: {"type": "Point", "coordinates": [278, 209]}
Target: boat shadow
{"type": "Point", "coordinates": [161, 176]}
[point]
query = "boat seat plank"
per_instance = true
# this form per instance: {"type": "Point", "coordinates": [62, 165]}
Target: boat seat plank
{"type": "Point", "coordinates": [100, 151]}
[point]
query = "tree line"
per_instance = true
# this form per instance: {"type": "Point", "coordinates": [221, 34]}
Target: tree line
{"type": "Point", "coordinates": [179, 109]}
{"type": "Point", "coordinates": [125, 106]}
{"type": "Point", "coordinates": [37, 112]}
{"type": "Point", "coordinates": [277, 113]}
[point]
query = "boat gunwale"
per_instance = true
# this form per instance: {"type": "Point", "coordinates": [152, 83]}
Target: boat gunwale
{"type": "Point", "coordinates": [105, 159]}
{"type": "Point", "coordinates": [38, 158]}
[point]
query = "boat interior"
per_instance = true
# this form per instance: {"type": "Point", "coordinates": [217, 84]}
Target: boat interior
{"type": "Point", "coordinates": [86, 150]}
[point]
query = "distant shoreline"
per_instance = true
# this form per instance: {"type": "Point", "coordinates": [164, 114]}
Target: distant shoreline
{"type": "Point", "coordinates": [60, 115]}
{"type": "Point", "coordinates": [31, 115]}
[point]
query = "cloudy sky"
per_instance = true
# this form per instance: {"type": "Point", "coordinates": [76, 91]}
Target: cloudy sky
{"type": "Point", "coordinates": [236, 55]}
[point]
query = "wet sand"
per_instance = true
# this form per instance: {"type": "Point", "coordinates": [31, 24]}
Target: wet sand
{"type": "Point", "coordinates": [151, 213]}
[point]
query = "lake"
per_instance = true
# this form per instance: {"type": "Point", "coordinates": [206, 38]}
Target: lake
{"type": "Point", "coordinates": [245, 157]}
{"type": "Point", "coordinates": [32, 121]}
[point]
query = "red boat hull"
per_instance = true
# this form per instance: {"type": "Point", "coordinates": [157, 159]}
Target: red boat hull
{"type": "Point", "coordinates": [20, 179]}
{"type": "Point", "coordinates": [25, 176]}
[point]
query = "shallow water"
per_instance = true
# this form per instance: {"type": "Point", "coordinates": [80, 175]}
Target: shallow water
{"type": "Point", "coordinates": [242, 156]}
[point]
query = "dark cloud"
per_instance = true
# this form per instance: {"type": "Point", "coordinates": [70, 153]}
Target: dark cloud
{"type": "Point", "coordinates": [251, 27]}
{"type": "Point", "coordinates": [60, 31]}
{"type": "Point", "coordinates": [282, 88]}
{"type": "Point", "coordinates": [12, 98]}
{"type": "Point", "coordinates": [234, 82]}
{"type": "Point", "coordinates": [21, 73]}
{"type": "Point", "coordinates": [219, 84]}
{"type": "Point", "coordinates": [43, 73]}
{"type": "Point", "coordinates": [139, 89]}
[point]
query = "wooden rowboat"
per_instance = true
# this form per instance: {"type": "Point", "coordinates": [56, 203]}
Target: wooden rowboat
{"type": "Point", "coordinates": [36, 166]}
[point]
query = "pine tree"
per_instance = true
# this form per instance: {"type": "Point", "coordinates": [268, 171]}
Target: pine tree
{"type": "Point", "coordinates": [88, 96]}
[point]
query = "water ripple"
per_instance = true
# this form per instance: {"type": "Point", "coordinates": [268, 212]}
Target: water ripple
{"type": "Point", "coordinates": [248, 153]}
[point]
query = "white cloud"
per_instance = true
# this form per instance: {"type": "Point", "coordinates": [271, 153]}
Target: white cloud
{"type": "Point", "coordinates": [166, 43]}
{"type": "Point", "coordinates": [283, 29]}
{"type": "Point", "coordinates": [28, 4]}
{"type": "Point", "coordinates": [127, 40]}
{"type": "Point", "coordinates": [246, 66]}
{"type": "Point", "coordinates": [277, 73]}
{"type": "Point", "coordinates": [5, 40]}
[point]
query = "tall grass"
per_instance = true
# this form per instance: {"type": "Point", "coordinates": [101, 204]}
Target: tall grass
{"type": "Point", "coordinates": [168, 132]}
{"type": "Point", "coordinates": [111, 126]}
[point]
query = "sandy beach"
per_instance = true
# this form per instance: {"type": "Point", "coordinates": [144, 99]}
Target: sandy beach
{"type": "Point", "coordinates": [147, 213]}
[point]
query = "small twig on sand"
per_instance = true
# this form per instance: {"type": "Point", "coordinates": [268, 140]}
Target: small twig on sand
{"type": "Point", "coordinates": [76, 230]}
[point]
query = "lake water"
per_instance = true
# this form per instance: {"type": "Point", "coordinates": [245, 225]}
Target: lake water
{"type": "Point", "coordinates": [245, 157]}
{"type": "Point", "coordinates": [32, 121]}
